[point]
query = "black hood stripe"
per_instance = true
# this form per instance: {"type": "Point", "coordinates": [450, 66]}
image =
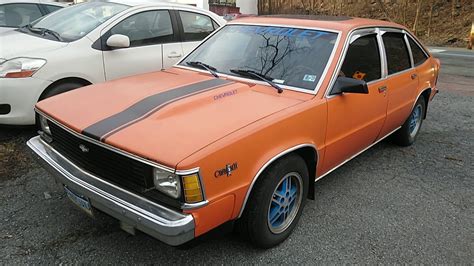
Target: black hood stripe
{"type": "Point", "coordinates": [148, 106]}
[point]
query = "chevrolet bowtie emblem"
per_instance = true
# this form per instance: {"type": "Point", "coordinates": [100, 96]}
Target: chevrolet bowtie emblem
{"type": "Point", "coordinates": [83, 148]}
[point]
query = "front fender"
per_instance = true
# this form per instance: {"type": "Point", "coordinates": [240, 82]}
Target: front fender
{"type": "Point", "coordinates": [252, 149]}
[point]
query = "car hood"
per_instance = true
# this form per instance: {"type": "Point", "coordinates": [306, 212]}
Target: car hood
{"type": "Point", "coordinates": [164, 116]}
{"type": "Point", "coordinates": [18, 44]}
{"type": "Point", "coordinates": [3, 30]}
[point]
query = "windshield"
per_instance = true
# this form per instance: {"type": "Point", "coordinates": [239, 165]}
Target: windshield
{"type": "Point", "coordinates": [76, 21]}
{"type": "Point", "coordinates": [287, 56]}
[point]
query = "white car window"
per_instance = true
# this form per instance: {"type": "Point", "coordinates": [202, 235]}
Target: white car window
{"type": "Point", "coordinates": [146, 28]}
{"type": "Point", "coordinates": [195, 26]}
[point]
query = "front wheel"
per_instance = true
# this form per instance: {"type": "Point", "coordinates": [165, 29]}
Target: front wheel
{"type": "Point", "coordinates": [407, 134]}
{"type": "Point", "coordinates": [276, 203]}
{"type": "Point", "coordinates": [58, 89]}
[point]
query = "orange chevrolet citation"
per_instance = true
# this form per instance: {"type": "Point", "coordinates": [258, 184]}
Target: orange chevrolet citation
{"type": "Point", "coordinates": [241, 128]}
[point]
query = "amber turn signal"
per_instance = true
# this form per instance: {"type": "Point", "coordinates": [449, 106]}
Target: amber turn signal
{"type": "Point", "coordinates": [192, 188]}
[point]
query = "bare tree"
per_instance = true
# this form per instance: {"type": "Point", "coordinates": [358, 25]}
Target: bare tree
{"type": "Point", "coordinates": [340, 7]}
{"type": "Point", "coordinates": [453, 10]}
{"type": "Point", "coordinates": [418, 8]}
{"type": "Point", "coordinates": [382, 6]}
{"type": "Point", "coordinates": [405, 4]}
{"type": "Point", "coordinates": [430, 15]}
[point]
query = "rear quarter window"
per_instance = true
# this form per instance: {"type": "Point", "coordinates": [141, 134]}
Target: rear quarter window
{"type": "Point", "coordinates": [419, 57]}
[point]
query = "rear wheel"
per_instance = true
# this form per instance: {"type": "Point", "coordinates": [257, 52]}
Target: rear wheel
{"type": "Point", "coordinates": [276, 203]}
{"type": "Point", "coordinates": [407, 134]}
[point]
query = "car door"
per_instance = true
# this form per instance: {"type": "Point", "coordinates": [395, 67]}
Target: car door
{"type": "Point", "coordinates": [194, 28]}
{"type": "Point", "coordinates": [402, 79]}
{"type": "Point", "coordinates": [148, 32]}
{"type": "Point", "coordinates": [355, 120]}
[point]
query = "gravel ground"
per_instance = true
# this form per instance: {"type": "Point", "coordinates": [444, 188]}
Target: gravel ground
{"type": "Point", "coordinates": [389, 205]}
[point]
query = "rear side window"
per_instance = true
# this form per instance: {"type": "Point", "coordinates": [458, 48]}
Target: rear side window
{"type": "Point", "coordinates": [362, 59]}
{"type": "Point", "coordinates": [146, 28]}
{"type": "Point", "coordinates": [17, 15]}
{"type": "Point", "coordinates": [196, 26]}
{"type": "Point", "coordinates": [51, 8]}
{"type": "Point", "coordinates": [418, 55]}
{"type": "Point", "coordinates": [398, 58]}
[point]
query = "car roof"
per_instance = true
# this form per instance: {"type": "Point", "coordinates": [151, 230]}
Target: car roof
{"type": "Point", "coordinates": [33, 2]}
{"type": "Point", "coordinates": [149, 3]}
{"type": "Point", "coordinates": [158, 3]}
{"type": "Point", "coordinates": [336, 23]}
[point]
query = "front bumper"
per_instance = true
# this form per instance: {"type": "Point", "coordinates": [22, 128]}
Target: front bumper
{"type": "Point", "coordinates": [172, 227]}
{"type": "Point", "coordinates": [21, 94]}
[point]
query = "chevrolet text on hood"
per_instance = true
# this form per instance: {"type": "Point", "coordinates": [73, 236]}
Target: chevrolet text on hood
{"type": "Point", "coordinates": [238, 130]}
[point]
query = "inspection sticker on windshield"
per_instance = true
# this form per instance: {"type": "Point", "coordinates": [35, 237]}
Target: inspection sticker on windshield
{"type": "Point", "coordinates": [309, 78]}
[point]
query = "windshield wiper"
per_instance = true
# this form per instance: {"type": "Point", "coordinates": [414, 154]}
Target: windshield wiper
{"type": "Point", "coordinates": [251, 73]}
{"type": "Point", "coordinates": [43, 31]}
{"type": "Point", "coordinates": [207, 67]}
{"type": "Point", "coordinates": [52, 32]}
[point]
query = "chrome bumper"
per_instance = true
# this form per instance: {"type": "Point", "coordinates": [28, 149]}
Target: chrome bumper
{"type": "Point", "coordinates": [172, 227]}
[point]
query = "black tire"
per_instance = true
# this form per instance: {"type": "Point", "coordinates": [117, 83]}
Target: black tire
{"type": "Point", "coordinates": [406, 135]}
{"type": "Point", "coordinates": [60, 88]}
{"type": "Point", "coordinates": [254, 224]}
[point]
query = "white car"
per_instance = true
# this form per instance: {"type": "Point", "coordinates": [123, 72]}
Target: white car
{"type": "Point", "coordinates": [17, 13]}
{"type": "Point", "coordinates": [93, 42]}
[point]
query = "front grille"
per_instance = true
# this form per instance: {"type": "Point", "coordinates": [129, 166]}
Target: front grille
{"type": "Point", "coordinates": [104, 163]}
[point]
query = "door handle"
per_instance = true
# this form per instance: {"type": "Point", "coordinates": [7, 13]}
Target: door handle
{"type": "Point", "coordinates": [382, 89]}
{"type": "Point", "coordinates": [414, 76]}
{"type": "Point", "coordinates": [174, 55]}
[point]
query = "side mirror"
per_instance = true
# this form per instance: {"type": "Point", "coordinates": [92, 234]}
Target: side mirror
{"type": "Point", "coordinates": [349, 85]}
{"type": "Point", "coordinates": [118, 41]}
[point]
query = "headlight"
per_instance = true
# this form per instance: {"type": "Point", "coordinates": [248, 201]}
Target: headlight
{"type": "Point", "coordinates": [44, 125]}
{"type": "Point", "coordinates": [20, 67]}
{"type": "Point", "coordinates": [167, 183]}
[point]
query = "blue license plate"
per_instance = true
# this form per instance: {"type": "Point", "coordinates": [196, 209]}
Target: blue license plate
{"type": "Point", "coordinates": [82, 202]}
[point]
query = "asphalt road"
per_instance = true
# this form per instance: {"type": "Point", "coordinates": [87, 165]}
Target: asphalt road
{"type": "Point", "coordinates": [389, 205]}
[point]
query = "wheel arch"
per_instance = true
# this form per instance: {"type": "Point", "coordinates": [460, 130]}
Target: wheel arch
{"type": "Point", "coordinates": [425, 93]}
{"type": "Point", "coordinates": [310, 155]}
{"type": "Point", "coordinates": [78, 80]}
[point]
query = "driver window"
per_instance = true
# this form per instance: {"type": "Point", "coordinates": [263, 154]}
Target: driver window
{"type": "Point", "coordinates": [362, 60]}
{"type": "Point", "coordinates": [146, 28]}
